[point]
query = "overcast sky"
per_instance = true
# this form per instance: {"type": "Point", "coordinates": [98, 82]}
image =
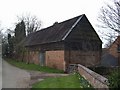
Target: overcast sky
{"type": "Point", "coordinates": [49, 11]}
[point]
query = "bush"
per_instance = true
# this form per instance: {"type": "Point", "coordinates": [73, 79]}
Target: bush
{"type": "Point", "coordinates": [114, 79]}
{"type": "Point", "coordinates": [103, 70]}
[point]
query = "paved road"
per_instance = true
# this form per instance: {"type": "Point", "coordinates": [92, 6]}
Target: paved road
{"type": "Point", "coordinates": [14, 77]}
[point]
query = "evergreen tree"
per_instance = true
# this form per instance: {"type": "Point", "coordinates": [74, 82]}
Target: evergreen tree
{"type": "Point", "coordinates": [22, 27]}
{"type": "Point", "coordinates": [20, 33]}
{"type": "Point", "coordinates": [10, 45]}
{"type": "Point", "coordinates": [4, 46]}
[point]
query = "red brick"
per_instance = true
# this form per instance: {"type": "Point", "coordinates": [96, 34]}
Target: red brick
{"type": "Point", "coordinates": [55, 59]}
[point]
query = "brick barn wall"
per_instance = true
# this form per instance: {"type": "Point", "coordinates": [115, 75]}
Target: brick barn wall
{"type": "Point", "coordinates": [89, 58]}
{"type": "Point", "coordinates": [61, 59]}
{"type": "Point", "coordinates": [55, 59]}
{"type": "Point", "coordinates": [32, 57]}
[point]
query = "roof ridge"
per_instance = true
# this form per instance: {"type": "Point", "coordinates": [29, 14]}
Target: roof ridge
{"type": "Point", "coordinates": [71, 18]}
{"type": "Point", "coordinates": [59, 23]}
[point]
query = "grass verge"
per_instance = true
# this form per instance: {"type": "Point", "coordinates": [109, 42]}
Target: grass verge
{"type": "Point", "coordinates": [23, 65]}
{"type": "Point", "coordinates": [71, 81]}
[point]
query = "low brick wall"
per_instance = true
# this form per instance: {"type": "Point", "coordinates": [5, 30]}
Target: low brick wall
{"type": "Point", "coordinates": [96, 80]}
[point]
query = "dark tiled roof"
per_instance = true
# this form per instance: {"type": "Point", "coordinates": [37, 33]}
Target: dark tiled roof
{"type": "Point", "coordinates": [54, 33]}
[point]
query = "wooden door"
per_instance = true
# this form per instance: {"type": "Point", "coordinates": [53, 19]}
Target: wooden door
{"type": "Point", "coordinates": [42, 58]}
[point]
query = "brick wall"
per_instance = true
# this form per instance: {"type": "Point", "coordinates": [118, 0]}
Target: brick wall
{"type": "Point", "coordinates": [89, 58]}
{"type": "Point", "coordinates": [113, 49]}
{"type": "Point", "coordinates": [96, 80]}
{"type": "Point", "coordinates": [35, 57]}
{"type": "Point", "coordinates": [55, 59]}
{"type": "Point", "coordinates": [32, 57]}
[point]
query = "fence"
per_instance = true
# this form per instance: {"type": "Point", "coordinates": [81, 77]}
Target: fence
{"type": "Point", "coordinates": [96, 80]}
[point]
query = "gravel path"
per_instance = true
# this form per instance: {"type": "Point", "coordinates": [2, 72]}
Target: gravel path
{"type": "Point", "coordinates": [14, 77]}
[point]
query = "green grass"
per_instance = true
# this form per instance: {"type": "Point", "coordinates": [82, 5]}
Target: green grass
{"type": "Point", "coordinates": [71, 81]}
{"type": "Point", "coordinates": [23, 65]}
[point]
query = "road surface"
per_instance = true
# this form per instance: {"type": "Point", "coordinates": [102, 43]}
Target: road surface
{"type": "Point", "coordinates": [13, 77]}
{"type": "Point", "coordinates": [0, 73]}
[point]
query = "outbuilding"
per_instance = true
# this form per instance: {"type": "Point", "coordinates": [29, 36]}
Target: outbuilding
{"type": "Point", "coordinates": [73, 41]}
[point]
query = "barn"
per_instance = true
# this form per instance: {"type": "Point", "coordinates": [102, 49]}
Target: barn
{"type": "Point", "coordinates": [73, 41]}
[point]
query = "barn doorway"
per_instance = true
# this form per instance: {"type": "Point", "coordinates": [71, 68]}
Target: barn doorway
{"type": "Point", "coordinates": [42, 58]}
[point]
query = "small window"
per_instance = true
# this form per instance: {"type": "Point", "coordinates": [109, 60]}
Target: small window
{"type": "Point", "coordinates": [118, 48]}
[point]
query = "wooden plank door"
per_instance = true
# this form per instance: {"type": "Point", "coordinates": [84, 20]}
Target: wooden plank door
{"type": "Point", "coordinates": [42, 58]}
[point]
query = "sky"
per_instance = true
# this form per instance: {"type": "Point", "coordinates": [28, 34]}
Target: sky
{"type": "Point", "coordinates": [49, 11]}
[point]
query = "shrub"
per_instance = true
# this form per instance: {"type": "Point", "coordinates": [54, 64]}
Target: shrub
{"type": "Point", "coordinates": [114, 79]}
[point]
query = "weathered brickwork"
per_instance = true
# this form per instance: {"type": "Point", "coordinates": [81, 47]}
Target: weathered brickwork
{"type": "Point", "coordinates": [55, 59]}
{"type": "Point", "coordinates": [32, 57]}
{"type": "Point", "coordinates": [60, 59]}
{"type": "Point", "coordinates": [35, 57]}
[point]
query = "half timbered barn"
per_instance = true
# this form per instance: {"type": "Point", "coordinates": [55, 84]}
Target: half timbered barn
{"type": "Point", "coordinates": [69, 42]}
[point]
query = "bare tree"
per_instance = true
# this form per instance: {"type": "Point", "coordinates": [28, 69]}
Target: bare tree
{"type": "Point", "coordinates": [109, 41]}
{"type": "Point", "coordinates": [10, 31]}
{"type": "Point", "coordinates": [110, 16]}
{"type": "Point", "coordinates": [32, 23]}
